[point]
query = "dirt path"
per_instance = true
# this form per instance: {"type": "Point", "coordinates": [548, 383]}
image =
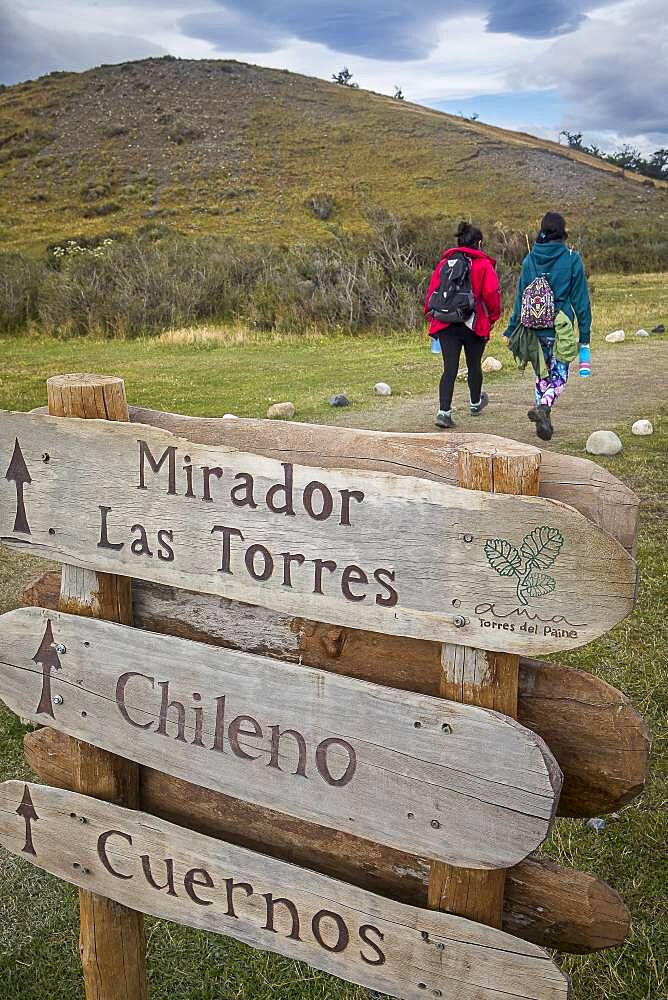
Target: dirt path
{"type": "Point", "coordinates": [628, 382]}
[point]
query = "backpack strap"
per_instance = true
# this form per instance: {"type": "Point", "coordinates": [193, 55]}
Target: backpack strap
{"type": "Point", "coordinates": [532, 264]}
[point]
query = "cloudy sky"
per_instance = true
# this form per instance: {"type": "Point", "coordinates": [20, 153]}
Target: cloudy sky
{"type": "Point", "coordinates": [538, 65]}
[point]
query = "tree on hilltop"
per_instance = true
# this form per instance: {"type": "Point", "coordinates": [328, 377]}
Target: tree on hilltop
{"type": "Point", "coordinates": [345, 78]}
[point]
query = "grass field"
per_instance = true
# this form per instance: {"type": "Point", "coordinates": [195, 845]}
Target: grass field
{"type": "Point", "coordinates": [38, 914]}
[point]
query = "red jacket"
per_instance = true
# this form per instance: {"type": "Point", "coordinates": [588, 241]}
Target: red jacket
{"type": "Point", "coordinates": [485, 284]}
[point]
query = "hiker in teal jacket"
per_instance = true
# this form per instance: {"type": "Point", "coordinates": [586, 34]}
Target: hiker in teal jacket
{"type": "Point", "coordinates": [565, 273]}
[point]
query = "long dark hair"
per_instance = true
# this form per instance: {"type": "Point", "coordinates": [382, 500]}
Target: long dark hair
{"type": "Point", "coordinates": [468, 235]}
{"type": "Point", "coordinates": [552, 227]}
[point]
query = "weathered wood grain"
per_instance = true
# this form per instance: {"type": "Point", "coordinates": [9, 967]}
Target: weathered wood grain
{"type": "Point", "coordinates": [394, 554]}
{"type": "Point", "coordinates": [579, 482]}
{"type": "Point", "coordinates": [404, 769]}
{"type": "Point", "coordinates": [478, 677]}
{"type": "Point", "coordinates": [599, 740]}
{"type": "Point", "coordinates": [111, 939]}
{"type": "Point", "coordinates": [544, 902]}
{"type": "Point", "coordinates": [176, 874]}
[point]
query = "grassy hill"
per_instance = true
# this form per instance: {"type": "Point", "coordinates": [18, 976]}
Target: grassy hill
{"type": "Point", "coordinates": [224, 148]}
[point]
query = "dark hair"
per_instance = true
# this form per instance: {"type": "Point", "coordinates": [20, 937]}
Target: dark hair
{"type": "Point", "coordinates": [468, 235]}
{"type": "Point", "coordinates": [552, 227]}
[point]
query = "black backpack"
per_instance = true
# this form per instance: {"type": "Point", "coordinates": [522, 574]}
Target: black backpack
{"type": "Point", "coordinates": [453, 301]}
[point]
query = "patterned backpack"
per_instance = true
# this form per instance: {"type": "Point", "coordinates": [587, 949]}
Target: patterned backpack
{"type": "Point", "coordinates": [538, 305]}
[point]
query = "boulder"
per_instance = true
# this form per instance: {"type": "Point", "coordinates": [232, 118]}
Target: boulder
{"type": "Point", "coordinates": [382, 389]}
{"type": "Point", "coordinates": [230, 416]}
{"type": "Point", "coordinates": [281, 411]}
{"type": "Point", "coordinates": [642, 333]}
{"type": "Point", "coordinates": [616, 337]}
{"type": "Point", "coordinates": [339, 400]}
{"type": "Point", "coordinates": [659, 328]}
{"type": "Point", "coordinates": [491, 365]}
{"type": "Point", "coordinates": [603, 443]}
{"type": "Point", "coordinates": [642, 427]}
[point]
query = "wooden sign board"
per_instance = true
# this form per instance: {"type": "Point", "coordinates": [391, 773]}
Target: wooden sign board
{"type": "Point", "coordinates": [600, 776]}
{"type": "Point", "coordinates": [550, 904]}
{"type": "Point", "coordinates": [454, 782]}
{"type": "Point", "coordinates": [574, 480]}
{"type": "Point", "coordinates": [398, 555]}
{"type": "Point", "coordinates": [161, 869]}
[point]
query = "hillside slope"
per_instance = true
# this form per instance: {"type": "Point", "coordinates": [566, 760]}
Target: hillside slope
{"type": "Point", "coordinates": [223, 147]}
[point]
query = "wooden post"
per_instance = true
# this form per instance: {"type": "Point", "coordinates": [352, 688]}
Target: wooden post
{"type": "Point", "coordinates": [477, 677]}
{"type": "Point", "coordinates": [111, 940]}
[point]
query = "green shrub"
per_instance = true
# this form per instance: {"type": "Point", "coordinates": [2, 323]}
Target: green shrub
{"type": "Point", "coordinates": [95, 190]}
{"type": "Point", "coordinates": [114, 131]}
{"type": "Point", "coordinates": [21, 152]}
{"type": "Point", "coordinates": [125, 286]}
{"type": "Point", "coordinates": [321, 205]}
{"type": "Point", "coordinates": [21, 289]}
{"type": "Point", "coordinates": [180, 132]}
{"type": "Point", "coordinates": [101, 208]}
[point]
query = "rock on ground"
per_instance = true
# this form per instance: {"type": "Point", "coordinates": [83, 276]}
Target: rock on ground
{"type": "Point", "coordinates": [616, 337]}
{"type": "Point", "coordinates": [230, 416]}
{"type": "Point", "coordinates": [339, 400]}
{"type": "Point", "coordinates": [642, 427]}
{"type": "Point", "coordinates": [491, 365]}
{"type": "Point", "coordinates": [281, 411]}
{"type": "Point", "coordinates": [660, 328]}
{"type": "Point", "coordinates": [603, 443]}
{"type": "Point", "coordinates": [382, 389]}
{"type": "Point", "coordinates": [642, 333]}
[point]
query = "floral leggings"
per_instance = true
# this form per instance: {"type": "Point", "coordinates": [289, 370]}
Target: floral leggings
{"type": "Point", "coordinates": [549, 389]}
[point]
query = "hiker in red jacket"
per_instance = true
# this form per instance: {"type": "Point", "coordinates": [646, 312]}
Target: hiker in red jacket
{"type": "Point", "coordinates": [463, 303]}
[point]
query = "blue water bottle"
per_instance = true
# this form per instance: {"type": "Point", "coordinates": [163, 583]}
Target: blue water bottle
{"type": "Point", "coordinates": [585, 360]}
{"type": "Point", "coordinates": [435, 345]}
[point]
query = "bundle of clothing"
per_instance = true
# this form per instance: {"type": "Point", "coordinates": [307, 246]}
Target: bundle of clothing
{"type": "Point", "coordinates": [527, 345]}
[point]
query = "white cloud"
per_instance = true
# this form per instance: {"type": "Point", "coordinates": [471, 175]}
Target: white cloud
{"type": "Point", "coordinates": [29, 48]}
{"type": "Point", "coordinates": [614, 72]}
{"type": "Point", "coordinates": [447, 74]}
{"type": "Point", "coordinates": [611, 70]}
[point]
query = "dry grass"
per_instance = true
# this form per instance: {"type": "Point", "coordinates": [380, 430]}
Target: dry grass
{"type": "Point", "coordinates": [205, 336]}
{"type": "Point", "coordinates": [230, 335]}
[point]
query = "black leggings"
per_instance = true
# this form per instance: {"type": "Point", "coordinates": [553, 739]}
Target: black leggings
{"type": "Point", "coordinates": [452, 339]}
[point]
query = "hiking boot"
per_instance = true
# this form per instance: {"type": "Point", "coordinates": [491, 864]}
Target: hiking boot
{"type": "Point", "coordinates": [477, 408]}
{"type": "Point", "coordinates": [543, 421]}
{"type": "Point", "coordinates": [444, 420]}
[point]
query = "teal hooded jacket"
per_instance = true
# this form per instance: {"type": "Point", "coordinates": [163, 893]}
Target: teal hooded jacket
{"type": "Point", "coordinates": [565, 272]}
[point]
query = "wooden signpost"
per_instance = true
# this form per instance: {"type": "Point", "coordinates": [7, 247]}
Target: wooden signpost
{"type": "Point", "coordinates": [397, 555]}
{"type": "Point", "coordinates": [161, 869]}
{"type": "Point", "coordinates": [374, 593]}
{"type": "Point", "coordinates": [389, 766]}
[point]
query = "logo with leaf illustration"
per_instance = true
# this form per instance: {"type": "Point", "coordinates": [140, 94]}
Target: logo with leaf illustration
{"type": "Point", "coordinates": [537, 552]}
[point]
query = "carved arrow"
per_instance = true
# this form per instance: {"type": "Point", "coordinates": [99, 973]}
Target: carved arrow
{"type": "Point", "coordinates": [17, 473]}
{"type": "Point", "coordinates": [47, 657]}
{"type": "Point", "coordinates": [29, 813]}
